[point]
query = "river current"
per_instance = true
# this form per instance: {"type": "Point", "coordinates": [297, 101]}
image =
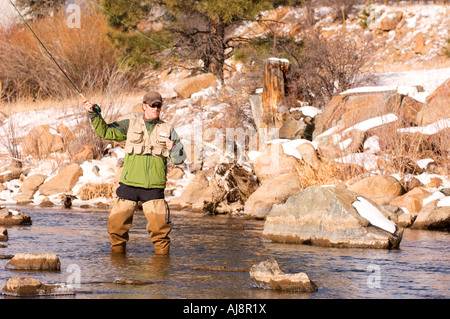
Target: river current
{"type": "Point", "coordinates": [420, 268]}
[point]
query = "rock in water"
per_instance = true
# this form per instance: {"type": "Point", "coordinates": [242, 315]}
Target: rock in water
{"type": "Point", "coordinates": [34, 261]}
{"type": "Point", "coordinates": [13, 217]}
{"type": "Point", "coordinates": [326, 216]}
{"type": "Point", "coordinates": [267, 274]}
{"type": "Point", "coordinates": [29, 286]}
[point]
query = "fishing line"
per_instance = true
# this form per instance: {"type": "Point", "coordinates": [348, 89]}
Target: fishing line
{"type": "Point", "coordinates": [47, 50]}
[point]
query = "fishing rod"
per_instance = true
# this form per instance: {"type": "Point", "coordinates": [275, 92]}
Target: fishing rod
{"type": "Point", "coordinates": [97, 109]}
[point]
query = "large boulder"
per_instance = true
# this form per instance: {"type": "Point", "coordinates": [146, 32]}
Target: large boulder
{"type": "Point", "coordinates": [267, 274]}
{"type": "Point", "coordinates": [412, 200]}
{"type": "Point", "coordinates": [29, 187]}
{"type": "Point", "coordinates": [389, 20]}
{"type": "Point", "coordinates": [350, 108]}
{"type": "Point", "coordinates": [40, 142]}
{"type": "Point", "coordinates": [272, 162]}
{"type": "Point", "coordinates": [334, 217]}
{"type": "Point", "coordinates": [185, 88]}
{"type": "Point", "coordinates": [63, 182]}
{"type": "Point", "coordinates": [276, 191]}
{"type": "Point", "coordinates": [34, 261]}
{"type": "Point", "coordinates": [433, 217]}
{"type": "Point", "coordinates": [381, 189]}
{"type": "Point", "coordinates": [436, 107]}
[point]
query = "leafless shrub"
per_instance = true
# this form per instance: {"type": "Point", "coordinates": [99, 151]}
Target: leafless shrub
{"type": "Point", "coordinates": [10, 141]}
{"type": "Point", "coordinates": [327, 67]}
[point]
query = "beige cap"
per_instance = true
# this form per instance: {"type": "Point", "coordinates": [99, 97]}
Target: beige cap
{"type": "Point", "coordinates": [152, 97]}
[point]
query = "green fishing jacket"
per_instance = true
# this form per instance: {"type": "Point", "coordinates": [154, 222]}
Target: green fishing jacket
{"type": "Point", "coordinates": [144, 170]}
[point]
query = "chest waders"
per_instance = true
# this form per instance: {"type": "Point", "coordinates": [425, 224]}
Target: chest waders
{"type": "Point", "coordinates": [156, 211]}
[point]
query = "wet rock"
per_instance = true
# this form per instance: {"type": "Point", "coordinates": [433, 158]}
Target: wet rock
{"type": "Point", "coordinates": [3, 234]}
{"type": "Point", "coordinates": [126, 281]}
{"type": "Point", "coordinates": [34, 261]}
{"type": "Point", "coordinates": [28, 286]}
{"type": "Point", "coordinates": [433, 217]}
{"type": "Point", "coordinates": [222, 268]}
{"type": "Point", "coordinates": [13, 217]}
{"type": "Point", "coordinates": [268, 274]}
{"type": "Point", "coordinates": [328, 216]}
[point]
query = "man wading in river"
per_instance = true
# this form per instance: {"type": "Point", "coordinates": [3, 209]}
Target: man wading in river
{"type": "Point", "coordinates": [149, 143]}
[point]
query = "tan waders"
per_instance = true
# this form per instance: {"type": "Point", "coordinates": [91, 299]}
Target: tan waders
{"type": "Point", "coordinates": [121, 217]}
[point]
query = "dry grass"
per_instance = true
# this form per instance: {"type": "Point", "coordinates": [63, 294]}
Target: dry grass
{"type": "Point", "coordinates": [27, 72]}
{"type": "Point", "coordinates": [326, 173]}
{"type": "Point", "coordinates": [89, 191]}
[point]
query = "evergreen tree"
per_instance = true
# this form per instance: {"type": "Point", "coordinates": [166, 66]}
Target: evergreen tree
{"type": "Point", "coordinates": [193, 28]}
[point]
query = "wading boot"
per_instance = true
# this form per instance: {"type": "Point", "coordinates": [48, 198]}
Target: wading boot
{"type": "Point", "coordinates": [119, 249]}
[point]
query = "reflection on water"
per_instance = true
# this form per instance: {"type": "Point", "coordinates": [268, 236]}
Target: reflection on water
{"type": "Point", "coordinates": [419, 269]}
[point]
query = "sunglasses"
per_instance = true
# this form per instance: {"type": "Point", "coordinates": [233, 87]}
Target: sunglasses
{"type": "Point", "coordinates": [157, 105]}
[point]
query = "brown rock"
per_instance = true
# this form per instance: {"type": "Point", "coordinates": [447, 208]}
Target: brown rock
{"type": "Point", "coordinates": [309, 154]}
{"type": "Point", "coordinates": [63, 182]}
{"type": "Point", "coordinates": [13, 217]}
{"type": "Point", "coordinates": [3, 234]}
{"type": "Point", "coordinates": [31, 183]}
{"type": "Point", "coordinates": [381, 189]}
{"type": "Point", "coordinates": [273, 162]}
{"type": "Point", "coordinates": [268, 274]}
{"type": "Point", "coordinates": [185, 88]}
{"type": "Point", "coordinates": [28, 286]}
{"type": "Point", "coordinates": [433, 217]}
{"type": "Point", "coordinates": [412, 200]}
{"type": "Point", "coordinates": [276, 191]}
{"type": "Point", "coordinates": [195, 189]}
{"type": "Point", "coordinates": [390, 20]}
{"type": "Point", "coordinates": [40, 142]}
{"type": "Point", "coordinates": [34, 261]}
{"type": "Point", "coordinates": [436, 107]}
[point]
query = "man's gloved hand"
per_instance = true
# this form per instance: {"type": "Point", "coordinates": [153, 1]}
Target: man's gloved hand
{"type": "Point", "coordinates": [91, 107]}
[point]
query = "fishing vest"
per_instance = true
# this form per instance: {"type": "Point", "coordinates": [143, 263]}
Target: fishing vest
{"type": "Point", "coordinates": [139, 142]}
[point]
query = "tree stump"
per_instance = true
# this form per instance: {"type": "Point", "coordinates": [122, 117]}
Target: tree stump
{"type": "Point", "coordinates": [273, 100]}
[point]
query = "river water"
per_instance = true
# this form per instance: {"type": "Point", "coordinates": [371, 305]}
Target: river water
{"type": "Point", "coordinates": [419, 269]}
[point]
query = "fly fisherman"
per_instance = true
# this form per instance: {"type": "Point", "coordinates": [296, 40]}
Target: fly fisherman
{"type": "Point", "coordinates": [149, 143]}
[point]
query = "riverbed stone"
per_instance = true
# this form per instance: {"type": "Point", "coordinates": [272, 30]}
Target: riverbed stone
{"type": "Point", "coordinates": [325, 216]}
{"type": "Point", "coordinates": [34, 261]}
{"type": "Point", "coordinates": [267, 274]}
{"type": "Point", "coordinates": [22, 286]}
{"type": "Point", "coordinates": [13, 217]}
{"type": "Point", "coordinates": [3, 234]}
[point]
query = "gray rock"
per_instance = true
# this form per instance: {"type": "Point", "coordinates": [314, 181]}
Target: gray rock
{"type": "Point", "coordinates": [326, 216]}
{"type": "Point", "coordinates": [268, 274]}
